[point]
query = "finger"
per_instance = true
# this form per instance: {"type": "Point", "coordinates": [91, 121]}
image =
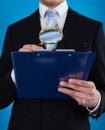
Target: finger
{"type": "Point", "coordinates": [32, 47]}
{"type": "Point", "coordinates": [81, 98]}
{"type": "Point", "coordinates": [73, 93]}
{"type": "Point", "coordinates": [81, 102]}
{"type": "Point", "coordinates": [82, 83]}
{"type": "Point", "coordinates": [24, 50]}
{"type": "Point", "coordinates": [90, 91]}
{"type": "Point", "coordinates": [73, 86]}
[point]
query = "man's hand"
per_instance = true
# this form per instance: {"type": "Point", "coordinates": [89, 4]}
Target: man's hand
{"type": "Point", "coordinates": [30, 47]}
{"type": "Point", "coordinates": [84, 92]}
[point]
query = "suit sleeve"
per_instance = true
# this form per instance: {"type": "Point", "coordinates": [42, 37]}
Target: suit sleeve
{"type": "Point", "coordinates": [97, 74]}
{"type": "Point", "coordinates": [7, 87]}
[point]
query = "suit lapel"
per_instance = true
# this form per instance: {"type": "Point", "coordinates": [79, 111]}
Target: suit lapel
{"type": "Point", "coordinates": [36, 27]}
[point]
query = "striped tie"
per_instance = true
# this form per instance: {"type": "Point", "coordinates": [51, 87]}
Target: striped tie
{"type": "Point", "coordinates": [51, 14]}
{"type": "Point", "coordinates": [51, 22]}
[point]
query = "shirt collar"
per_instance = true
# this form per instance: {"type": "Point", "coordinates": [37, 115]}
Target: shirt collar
{"type": "Point", "coordinates": [61, 9]}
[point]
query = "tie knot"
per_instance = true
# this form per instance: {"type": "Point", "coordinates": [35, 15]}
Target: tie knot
{"type": "Point", "coordinates": [50, 13]}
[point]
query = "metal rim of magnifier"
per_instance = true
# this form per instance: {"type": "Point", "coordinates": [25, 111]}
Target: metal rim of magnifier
{"type": "Point", "coordinates": [48, 29]}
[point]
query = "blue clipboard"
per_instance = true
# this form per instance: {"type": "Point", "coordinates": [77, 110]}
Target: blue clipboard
{"type": "Point", "coordinates": [38, 73]}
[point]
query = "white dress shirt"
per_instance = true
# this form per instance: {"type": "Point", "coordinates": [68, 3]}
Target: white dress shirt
{"type": "Point", "coordinates": [60, 18]}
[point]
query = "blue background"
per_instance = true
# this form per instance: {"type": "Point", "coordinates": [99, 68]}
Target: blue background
{"type": "Point", "coordinates": [14, 10]}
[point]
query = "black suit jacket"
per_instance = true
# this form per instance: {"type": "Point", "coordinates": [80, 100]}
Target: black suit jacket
{"type": "Point", "coordinates": [81, 34]}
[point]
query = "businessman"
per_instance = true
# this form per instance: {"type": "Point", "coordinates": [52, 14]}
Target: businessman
{"type": "Point", "coordinates": [80, 33]}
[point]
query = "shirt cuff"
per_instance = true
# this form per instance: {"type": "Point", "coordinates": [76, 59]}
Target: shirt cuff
{"type": "Point", "coordinates": [93, 112]}
{"type": "Point", "coordinates": [13, 76]}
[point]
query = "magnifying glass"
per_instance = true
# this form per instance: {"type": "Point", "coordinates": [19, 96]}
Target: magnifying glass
{"type": "Point", "coordinates": [50, 35]}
